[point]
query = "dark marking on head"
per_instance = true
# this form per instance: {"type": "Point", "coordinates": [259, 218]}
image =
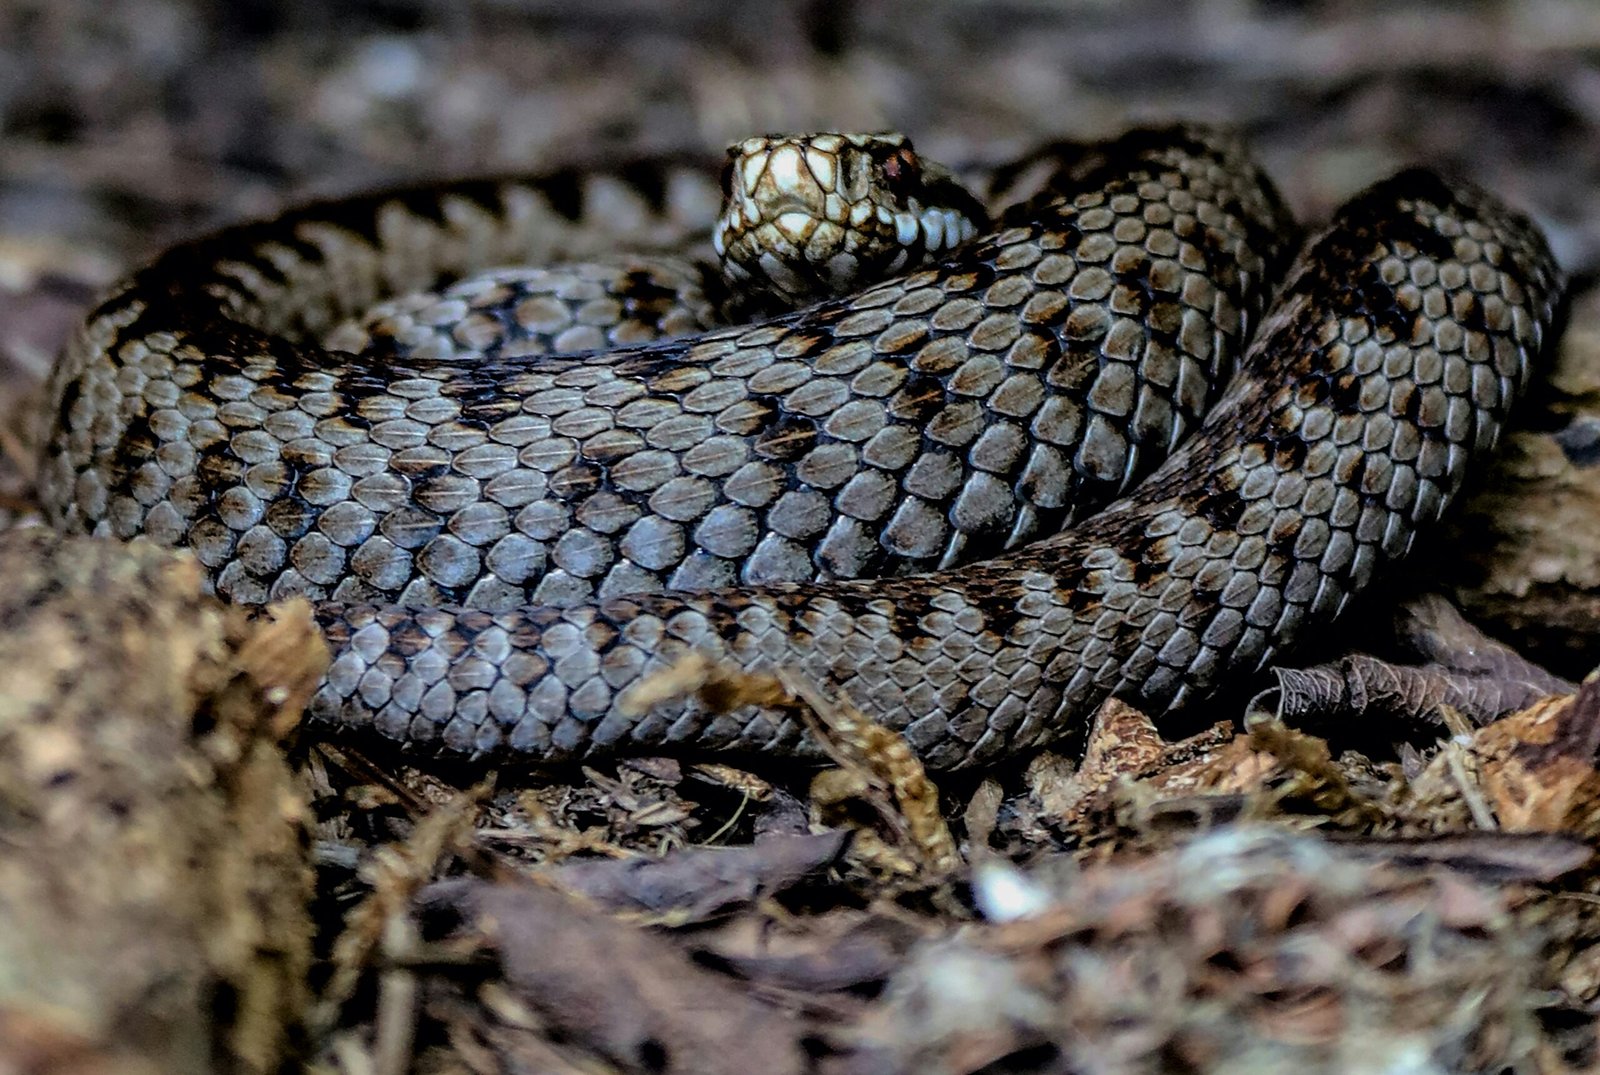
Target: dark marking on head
{"type": "Point", "coordinates": [900, 167]}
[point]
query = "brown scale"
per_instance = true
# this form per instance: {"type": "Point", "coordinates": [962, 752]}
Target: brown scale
{"type": "Point", "coordinates": [601, 516]}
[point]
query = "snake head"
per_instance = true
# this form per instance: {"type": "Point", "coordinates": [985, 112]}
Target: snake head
{"type": "Point", "coordinates": [805, 217]}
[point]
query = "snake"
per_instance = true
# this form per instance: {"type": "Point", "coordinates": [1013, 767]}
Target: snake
{"type": "Point", "coordinates": [1131, 440]}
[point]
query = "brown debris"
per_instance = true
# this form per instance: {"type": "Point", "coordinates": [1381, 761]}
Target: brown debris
{"type": "Point", "coordinates": [613, 990]}
{"type": "Point", "coordinates": [694, 885]}
{"type": "Point", "coordinates": [100, 169]}
{"type": "Point", "coordinates": [1123, 746]}
{"type": "Point", "coordinates": [877, 764]}
{"type": "Point", "coordinates": [380, 923]}
{"type": "Point", "coordinates": [1316, 778]}
{"type": "Point", "coordinates": [1531, 772]}
{"type": "Point", "coordinates": [833, 952]}
{"type": "Point", "coordinates": [153, 834]}
{"type": "Point", "coordinates": [1539, 766]}
{"type": "Point", "coordinates": [882, 761]}
{"type": "Point", "coordinates": [643, 807]}
{"type": "Point", "coordinates": [1168, 791]}
{"type": "Point", "coordinates": [1248, 950]}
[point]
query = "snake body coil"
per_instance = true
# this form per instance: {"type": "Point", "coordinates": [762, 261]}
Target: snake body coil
{"type": "Point", "coordinates": [501, 549]}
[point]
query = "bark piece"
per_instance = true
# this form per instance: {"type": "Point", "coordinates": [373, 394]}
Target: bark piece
{"type": "Point", "coordinates": [1490, 857]}
{"type": "Point", "coordinates": [154, 885]}
{"type": "Point", "coordinates": [1538, 767]}
{"type": "Point", "coordinates": [1435, 631]}
{"type": "Point", "coordinates": [1523, 553]}
{"type": "Point", "coordinates": [1464, 670]}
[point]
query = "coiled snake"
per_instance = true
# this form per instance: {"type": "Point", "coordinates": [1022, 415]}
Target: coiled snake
{"type": "Point", "coordinates": [501, 547]}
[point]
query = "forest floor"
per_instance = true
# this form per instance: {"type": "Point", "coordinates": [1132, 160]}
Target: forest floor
{"type": "Point", "coordinates": [1400, 885]}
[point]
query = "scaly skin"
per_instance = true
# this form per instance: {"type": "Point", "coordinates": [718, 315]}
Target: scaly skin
{"type": "Point", "coordinates": [938, 429]}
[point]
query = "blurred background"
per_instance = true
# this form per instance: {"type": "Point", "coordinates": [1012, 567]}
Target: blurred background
{"type": "Point", "coordinates": [128, 124]}
{"type": "Point", "coordinates": [124, 123]}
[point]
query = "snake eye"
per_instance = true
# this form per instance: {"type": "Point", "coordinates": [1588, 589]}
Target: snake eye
{"type": "Point", "coordinates": [726, 179]}
{"type": "Point", "coordinates": [900, 168]}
